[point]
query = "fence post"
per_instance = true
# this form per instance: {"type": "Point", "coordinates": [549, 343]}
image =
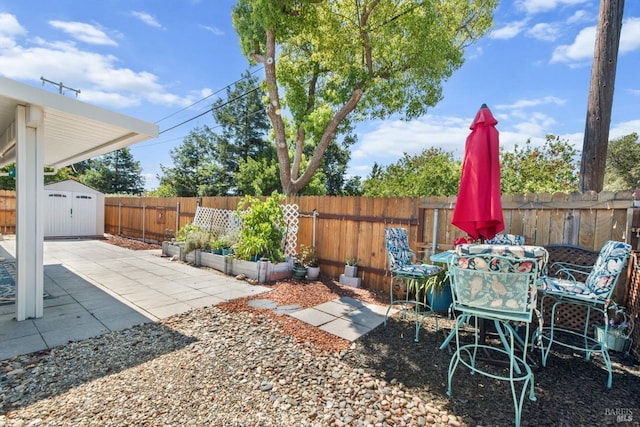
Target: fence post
{"type": "Point", "coordinates": [175, 234]}
{"type": "Point", "coordinates": [144, 208]}
{"type": "Point", "coordinates": [119, 217]}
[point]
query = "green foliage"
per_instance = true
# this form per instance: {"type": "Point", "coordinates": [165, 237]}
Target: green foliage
{"type": "Point", "coordinates": [257, 177]}
{"type": "Point", "coordinates": [263, 228]}
{"type": "Point", "coordinates": [622, 171]}
{"type": "Point", "coordinates": [352, 261]}
{"type": "Point", "coordinates": [192, 171]}
{"type": "Point", "coordinates": [197, 239]}
{"type": "Point", "coordinates": [114, 173]}
{"type": "Point", "coordinates": [186, 230]}
{"type": "Point", "coordinates": [244, 136]}
{"type": "Point", "coordinates": [547, 169]}
{"type": "Point", "coordinates": [338, 62]}
{"type": "Point", "coordinates": [62, 174]}
{"type": "Point", "coordinates": [432, 173]}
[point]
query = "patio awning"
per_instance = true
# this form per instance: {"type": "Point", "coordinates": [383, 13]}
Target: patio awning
{"type": "Point", "coordinates": [39, 128]}
{"type": "Point", "coordinates": [74, 130]}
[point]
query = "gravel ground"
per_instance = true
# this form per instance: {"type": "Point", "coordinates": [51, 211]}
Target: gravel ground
{"type": "Point", "coordinates": [231, 365]}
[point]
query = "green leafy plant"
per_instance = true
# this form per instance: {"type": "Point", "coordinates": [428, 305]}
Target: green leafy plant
{"type": "Point", "coordinates": [263, 228]}
{"type": "Point", "coordinates": [185, 231]}
{"type": "Point", "coordinates": [198, 239]}
{"type": "Point", "coordinates": [352, 261]}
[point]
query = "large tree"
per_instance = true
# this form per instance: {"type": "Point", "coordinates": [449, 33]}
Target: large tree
{"type": "Point", "coordinates": [434, 172]}
{"type": "Point", "coordinates": [623, 163]}
{"type": "Point", "coordinates": [244, 135]}
{"type": "Point", "coordinates": [193, 168]}
{"type": "Point", "coordinates": [115, 173]}
{"type": "Point", "coordinates": [600, 103]}
{"type": "Point", "coordinates": [548, 168]}
{"type": "Point", "coordinates": [337, 61]}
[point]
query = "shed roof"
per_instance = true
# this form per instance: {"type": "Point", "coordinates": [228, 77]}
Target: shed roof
{"type": "Point", "coordinates": [74, 130]}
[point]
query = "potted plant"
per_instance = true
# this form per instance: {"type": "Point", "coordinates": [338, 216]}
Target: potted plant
{"type": "Point", "coordinates": [309, 258]}
{"type": "Point", "coordinates": [437, 291]}
{"type": "Point", "coordinates": [351, 266]}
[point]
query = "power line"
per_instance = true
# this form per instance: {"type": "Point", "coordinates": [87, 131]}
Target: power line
{"type": "Point", "coordinates": [211, 110]}
{"type": "Point", "coordinates": [206, 97]}
{"type": "Point", "coordinates": [143, 145]}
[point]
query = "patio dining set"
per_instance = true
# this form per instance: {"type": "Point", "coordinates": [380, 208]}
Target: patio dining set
{"type": "Point", "coordinates": [511, 288]}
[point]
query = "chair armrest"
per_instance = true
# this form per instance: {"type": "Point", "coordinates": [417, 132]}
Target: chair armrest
{"type": "Point", "coordinates": [567, 270]}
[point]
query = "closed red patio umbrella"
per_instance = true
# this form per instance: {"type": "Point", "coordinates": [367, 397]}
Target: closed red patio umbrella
{"type": "Point", "coordinates": [478, 209]}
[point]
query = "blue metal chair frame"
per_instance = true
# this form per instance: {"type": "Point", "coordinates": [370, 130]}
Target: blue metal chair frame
{"type": "Point", "coordinates": [594, 294]}
{"type": "Point", "coordinates": [501, 289]}
{"type": "Point", "coordinates": [413, 275]}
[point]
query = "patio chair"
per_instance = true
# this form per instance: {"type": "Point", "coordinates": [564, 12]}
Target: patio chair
{"type": "Point", "coordinates": [586, 291]}
{"type": "Point", "coordinates": [412, 275]}
{"type": "Point", "coordinates": [506, 239]}
{"type": "Point", "coordinates": [496, 284]}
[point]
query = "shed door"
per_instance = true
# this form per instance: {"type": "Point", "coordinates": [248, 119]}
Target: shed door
{"type": "Point", "coordinates": [58, 218]}
{"type": "Point", "coordinates": [83, 216]}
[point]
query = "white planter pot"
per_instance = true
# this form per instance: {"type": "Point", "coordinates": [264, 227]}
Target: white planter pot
{"type": "Point", "coordinates": [313, 273]}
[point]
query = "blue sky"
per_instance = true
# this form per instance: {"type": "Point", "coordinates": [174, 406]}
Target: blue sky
{"type": "Point", "coordinates": [153, 59]}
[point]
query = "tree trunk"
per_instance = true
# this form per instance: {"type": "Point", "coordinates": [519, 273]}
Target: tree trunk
{"type": "Point", "coordinates": [603, 76]}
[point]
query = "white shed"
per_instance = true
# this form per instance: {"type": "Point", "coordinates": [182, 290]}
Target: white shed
{"type": "Point", "coordinates": [73, 209]}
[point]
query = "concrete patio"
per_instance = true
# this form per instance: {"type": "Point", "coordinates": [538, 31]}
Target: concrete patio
{"type": "Point", "coordinates": [95, 287]}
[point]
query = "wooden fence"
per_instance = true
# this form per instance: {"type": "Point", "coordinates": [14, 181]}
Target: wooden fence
{"type": "Point", "coordinates": [7, 212]}
{"type": "Point", "coordinates": [344, 227]}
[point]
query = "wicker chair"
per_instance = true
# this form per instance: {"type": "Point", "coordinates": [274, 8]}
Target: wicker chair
{"type": "Point", "coordinates": [497, 284]}
{"type": "Point", "coordinates": [588, 288]}
{"type": "Point", "coordinates": [412, 275]}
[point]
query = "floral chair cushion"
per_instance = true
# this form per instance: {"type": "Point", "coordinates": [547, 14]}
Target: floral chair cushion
{"type": "Point", "coordinates": [506, 239]}
{"type": "Point", "coordinates": [401, 256]}
{"type": "Point", "coordinates": [497, 277]}
{"type": "Point", "coordinates": [602, 278]}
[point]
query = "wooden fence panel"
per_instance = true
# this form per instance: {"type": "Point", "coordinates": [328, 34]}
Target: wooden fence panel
{"type": "Point", "coordinates": [7, 212]}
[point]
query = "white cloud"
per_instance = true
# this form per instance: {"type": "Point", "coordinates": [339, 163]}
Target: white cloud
{"type": "Point", "coordinates": [527, 103]}
{"type": "Point", "coordinates": [84, 32]}
{"type": "Point", "coordinates": [538, 6]}
{"type": "Point", "coordinates": [630, 36]}
{"type": "Point", "coordinates": [619, 130]}
{"type": "Point", "coordinates": [96, 75]}
{"type": "Point", "coordinates": [581, 50]}
{"type": "Point", "coordinates": [544, 31]}
{"type": "Point", "coordinates": [580, 17]}
{"type": "Point", "coordinates": [635, 91]}
{"type": "Point", "coordinates": [10, 26]}
{"type": "Point", "coordinates": [148, 19]}
{"type": "Point", "coordinates": [215, 30]}
{"type": "Point", "coordinates": [508, 31]}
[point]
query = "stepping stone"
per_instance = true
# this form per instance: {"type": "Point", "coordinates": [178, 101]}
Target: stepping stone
{"type": "Point", "coordinates": [263, 303]}
{"type": "Point", "coordinates": [287, 309]}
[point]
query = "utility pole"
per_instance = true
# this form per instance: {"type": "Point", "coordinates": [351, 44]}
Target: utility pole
{"type": "Point", "coordinates": [60, 86]}
{"type": "Point", "coordinates": [603, 77]}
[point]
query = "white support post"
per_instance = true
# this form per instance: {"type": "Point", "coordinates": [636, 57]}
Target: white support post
{"type": "Point", "coordinates": [29, 222]}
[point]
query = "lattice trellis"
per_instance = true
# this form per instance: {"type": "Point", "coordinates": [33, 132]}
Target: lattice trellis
{"type": "Point", "coordinates": [225, 221]}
